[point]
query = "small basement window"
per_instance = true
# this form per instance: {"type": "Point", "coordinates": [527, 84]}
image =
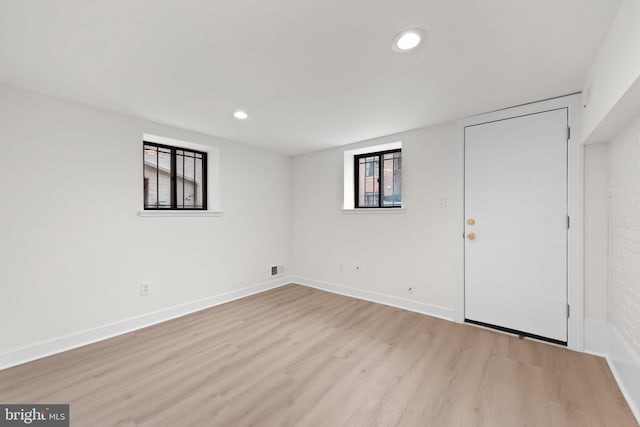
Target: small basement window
{"type": "Point", "coordinates": [175, 178]}
{"type": "Point", "coordinates": [373, 178]}
{"type": "Point", "coordinates": [378, 179]}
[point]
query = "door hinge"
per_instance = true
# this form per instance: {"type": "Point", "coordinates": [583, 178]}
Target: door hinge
{"type": "Point", "coordinates": [568, 133]}
{"type": "Point", "coordinates": [568, 311]}
{"type": "Point", "coordinates": [568, 222]}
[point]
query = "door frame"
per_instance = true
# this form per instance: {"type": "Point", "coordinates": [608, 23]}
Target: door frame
{"type": "Point", "coordinates": [575, 185]}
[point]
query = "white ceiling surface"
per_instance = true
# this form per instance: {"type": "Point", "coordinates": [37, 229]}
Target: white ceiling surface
{"type": "Point", "coordinates": [311, 74]}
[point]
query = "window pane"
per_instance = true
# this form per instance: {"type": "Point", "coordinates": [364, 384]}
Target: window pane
{"type": "Point", "coordinates": [368, 181]}
{"type": "Point", "coordinates": [180, 163]}
{"type": "Point", "coordinates": [189, 179]}
{"type": "Point", "coordinates": [361, 175]}
{"type": "Point", "coordinates": [164, 178]}
{"type": "Point", "coordinates": [150, 177]}
{"type": "Point", "coordinates": [392, 179]}
{"type": "Point", "coordinates": [157, 177]}
{"type": "Point", "coordinates": [198, 192]}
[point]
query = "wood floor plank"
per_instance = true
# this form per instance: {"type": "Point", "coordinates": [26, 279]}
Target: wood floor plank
{"type": "Point", "coordinates": [296, 356]}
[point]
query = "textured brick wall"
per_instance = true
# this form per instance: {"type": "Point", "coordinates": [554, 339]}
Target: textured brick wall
{"type": "Point", "coordinates": [624, 233]}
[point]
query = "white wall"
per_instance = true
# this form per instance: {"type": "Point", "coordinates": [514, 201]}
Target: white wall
{"type": "Point", "coordinates": [624, 234]}
{"type": "Point", "coordinates": [73, 250]}
{"type": "Point", "coordinates": [596, 235]}
{"type": "Point", "coordinates": [392, 249]}
{"type": "Point", "coordinates": [614, 71]}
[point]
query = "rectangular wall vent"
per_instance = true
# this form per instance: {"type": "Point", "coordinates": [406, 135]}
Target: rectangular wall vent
{"type": "Point", "coordinates": [277, 270]}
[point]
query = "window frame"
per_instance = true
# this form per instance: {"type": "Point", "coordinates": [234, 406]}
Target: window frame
{"type": "Point", "coordinates": [173, 177]}
{"type": "Point", "coordinates": [356, 178]}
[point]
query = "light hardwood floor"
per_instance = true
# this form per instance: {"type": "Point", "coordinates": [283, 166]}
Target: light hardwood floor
{"type": "Point", "coordinates": [299, 356]}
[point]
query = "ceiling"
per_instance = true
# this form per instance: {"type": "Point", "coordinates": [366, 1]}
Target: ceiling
{"type": "Point", "coordinates": [312, 74]}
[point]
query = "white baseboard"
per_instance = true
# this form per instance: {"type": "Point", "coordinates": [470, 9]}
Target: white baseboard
{"type": "Point", "coordinates": [79, 339]}
{"type": "Point", "coordinates": [603, 339]}
{"type": "Point", "coordinates": [406, 304]}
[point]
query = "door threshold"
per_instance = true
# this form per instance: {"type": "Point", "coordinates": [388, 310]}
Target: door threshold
{"type": "Point", "coordinates": [520, 334]}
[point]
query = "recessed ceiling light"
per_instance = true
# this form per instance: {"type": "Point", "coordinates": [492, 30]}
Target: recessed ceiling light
{"type": "Point", "coordinates": [408, 40]}
{"type": "Point", "coordinates": [240, 115]}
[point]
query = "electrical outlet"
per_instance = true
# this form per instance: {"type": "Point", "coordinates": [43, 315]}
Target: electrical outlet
{"type": "Point", "coordinates": [274, 270]}
{"type": "Point", "coordinates": [145, 289]}
{"type": "Point", "coordinates": [442, 202]}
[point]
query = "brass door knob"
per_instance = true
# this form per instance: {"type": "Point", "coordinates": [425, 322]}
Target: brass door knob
{"type": "Point", "coordinates": [471, 221]}
{"type": "Point", "coordinates": [471, 236]}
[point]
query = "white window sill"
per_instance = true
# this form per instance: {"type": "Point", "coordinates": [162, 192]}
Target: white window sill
{"type": "Point", "coordinates": [185, 213]}
{"type": "Point", "coordinates": [374, 210]}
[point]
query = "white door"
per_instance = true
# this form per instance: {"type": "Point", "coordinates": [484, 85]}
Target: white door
{"type": "Point", "coordinates": [516, 224]}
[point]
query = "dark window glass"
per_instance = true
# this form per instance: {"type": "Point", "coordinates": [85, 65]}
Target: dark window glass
{"type": "Point", "coordinates": [391, 179]}
{"type": "Point", "coordinates": [378, 179]}
{"type": "Point", "coordinates": [174, 178]}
